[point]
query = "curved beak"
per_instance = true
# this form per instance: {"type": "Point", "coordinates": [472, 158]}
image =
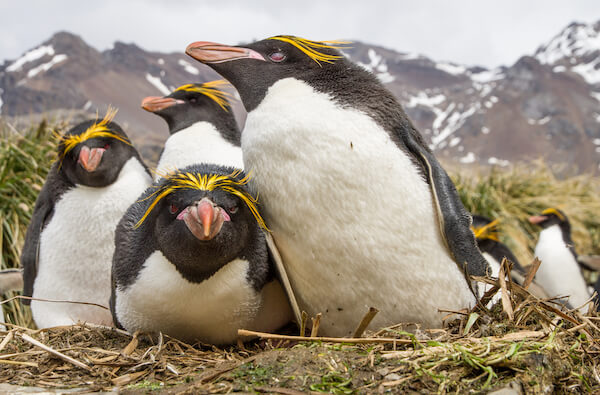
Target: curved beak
{"type": "Point", "coordinates": [207, 52]}
{"type": "Point", "coordinates": [536, 219]}
{"type": "Point", "coordinates": [90, 158]}
{"type": "Point", "coordinates": [157, 103]}
{"type": "Point", "coordinates": [204, 219]}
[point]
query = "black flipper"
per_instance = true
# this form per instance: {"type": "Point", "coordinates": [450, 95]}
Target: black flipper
{"type": "Point", "coordinates": [454, 220]}
{"type": "Point", "coordinates": [42, 213]}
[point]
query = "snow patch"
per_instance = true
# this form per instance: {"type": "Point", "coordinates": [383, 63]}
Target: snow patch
{"type": "Point", "coordinates": [188, 67]}
{"type": "Point", "coordinates": [454, 142]}
{"type": "Point", "coordinates": [595, 95]}
{"type": "Point", "coordinates": [87, 105]}
{"type": "Point", "coordinates": [424, 100]}
{"type": "Point", "coordinates": [46, 66]}
{"type": "Point", "coordinates": [598, 149]}
{"type": "Point", "coordinates": [454, 121]}
{"type": "Point", "coordinates": [158, 84]}
{"type": "Point", "coordinates": [597, 141]}
{"type": "Point", "coordinates": [499, 162]}
{"type": "Point", "coordinates": [451, 68]}
{"type": "Point", "coordinates": [161, 61]}
{"type": "Point", "coordinates": [559, 69]}
{"type": "Point", "coordinates": [597, 116]}
{"type": "Point", "coordinates": [377, 66]}
{"type": "Point", "coordinates": [577, 40]}
{"type": "Point", "coordinates": [487, 76]}
{"type": "Point", "coordinates": [485, 130]}
{"type": "Point", "coordinates": [468, 158]}
{"type": "Point", "coordinates": [30, 56]}
{"type": "Point", "coordinates": [1, 102]}
{"type": "Point", "coordinates": [589, 71]}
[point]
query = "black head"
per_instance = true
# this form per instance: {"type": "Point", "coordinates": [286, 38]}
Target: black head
{"type": "Point", "coordinates": [193, 103]}
{"type": "Point", "coordinates": [549, 217]}
{"type": "Point", "coordinates": [252, 69]}
{"type": "Point", "coordinates": [201, 218]}
{"type": "Point", "coordinates": [94, 152]}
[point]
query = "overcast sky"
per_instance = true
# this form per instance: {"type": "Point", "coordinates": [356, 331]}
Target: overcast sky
{"type": "Point", "coordinates": [472, 32]}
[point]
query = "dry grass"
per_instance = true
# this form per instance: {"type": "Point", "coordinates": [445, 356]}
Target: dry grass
{"type": "Point", "coordinates": [514, 195]}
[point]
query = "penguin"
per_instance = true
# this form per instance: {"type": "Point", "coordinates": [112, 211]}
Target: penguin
{"type": "Point", "coordinates": [191, 260]}
{"type": "Point", "coordinates": [360, 209]}
{"type": "Point", "coordinates": [201, 124]}
{"type": "Point", "coordinates": [559, 273]}
{"type": "Point", "coordinates": [69, 243]}
{"type": "Point", "coordinates": [493, 250]}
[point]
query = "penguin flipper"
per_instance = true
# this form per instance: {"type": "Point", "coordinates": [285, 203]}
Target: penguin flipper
{"type": "Point", "coordinates": [44, 207]}
{"type": "Point", "coordinates": [453, 218]}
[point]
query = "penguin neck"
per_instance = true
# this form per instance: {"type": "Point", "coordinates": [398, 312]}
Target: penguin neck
{"type": "Point", "coordinates": [225, 124]}
{"type": "Point", "coordinates": [564, 228]}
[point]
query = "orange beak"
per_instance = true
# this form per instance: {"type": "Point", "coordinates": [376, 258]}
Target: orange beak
{"type": "Point", "coordinates": [157, 103]}
{"type": "Point", "coordinates": [207, 52]}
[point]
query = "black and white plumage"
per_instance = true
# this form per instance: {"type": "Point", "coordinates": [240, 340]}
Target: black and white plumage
{"type": "Point", "coordinates": [69, 243]}
{"type": "Point", "coordinates": [493, 250]}
{"type": "Point", "coordinates": [191, 260]}
{"type": "Point", "coordinates": [202, 127]}
{"type": "Point", "coordinates": [361, 211]}
{"type": "Point", "coordinates": [559, 273]}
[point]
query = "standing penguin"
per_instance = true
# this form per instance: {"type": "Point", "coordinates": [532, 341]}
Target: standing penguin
{"type": "Point", "coordinates": [202, 127]}
{"type": "Point", "coordinates": [191, 260]}
{"type": "Point", "coordinates": [70, 241]}
{"type": "Point", "coordinates": [361, 211]}
{"type": "Point", "coordinates": [559, 273]}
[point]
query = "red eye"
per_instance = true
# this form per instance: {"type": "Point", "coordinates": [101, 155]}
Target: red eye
{"type": "Point", "coordinates": [106, 146]}
{"type": "Point", "coordinates": [233, 209]}
{"type": "Point", "coordinates": [277, 56]}
{"type": "Point", "coordinates": [173, 209]}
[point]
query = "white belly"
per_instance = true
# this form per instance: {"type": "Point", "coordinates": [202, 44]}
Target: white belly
{"type": "Point", "coordinates": [161, 300]}
{"type": "Point", "coordinates": [199, 143]}
{"type": "Point", "coordinates": [353, 219]}
{"type": "Point", "coordinates": [494, 271]}
{"type": "Point", "coordinates": [559, 273]}
{"type": "Point", "coordinates": [76, 249]}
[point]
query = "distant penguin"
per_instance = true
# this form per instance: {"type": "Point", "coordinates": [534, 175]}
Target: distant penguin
{"type": "Point", "coordinates": [559, 272]}
{"type": "Point", "coordinates": [191, 260]}
{"type": "Point", "coordinates": [201, 124]}
{"type": "Point", "coordinates": [70, 241]}
{"type": "Point", "coordinates": [361, 211]}
{"type": "Point", "coordinates": [493, 250]}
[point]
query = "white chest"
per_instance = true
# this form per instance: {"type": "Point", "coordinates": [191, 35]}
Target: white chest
{"type": "Point", "coordinates": [559, 273]}
{"type": "Point", "coordinates": [212, 311]}
{"type": "Point", "coordinates": [199, 143]}
{"type": "Point", "coordinates": [350, 213]}
{"type": "Point", "coordinates": [76, 249]}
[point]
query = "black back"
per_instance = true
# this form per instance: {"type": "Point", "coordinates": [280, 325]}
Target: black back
{"type": "Point", "coordinates": [198, 107]}
{"type": "Point", "coordinates": [65, 174]}
{"type": "Point", "coordinates": [195, 260]}
{"type": "Point", "coordinates": [352, 86]}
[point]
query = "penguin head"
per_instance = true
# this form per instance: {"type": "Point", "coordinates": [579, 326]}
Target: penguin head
{"type": "Point", "coordinates": [253, 68]}
{"type": "Point", "coordinates": [92, 153]}
{"type": "Point", "coordinates": [202, 217]}
{"type": "Point", "coordinates": [549, 217]}
{"type": "Point", "coordinates": [484, 228]}
{"type": "Point", "coordinates": [191, 103]}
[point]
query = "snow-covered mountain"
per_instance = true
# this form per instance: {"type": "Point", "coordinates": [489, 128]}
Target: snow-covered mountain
{"type": "Point", "coordinates": [546, 104]}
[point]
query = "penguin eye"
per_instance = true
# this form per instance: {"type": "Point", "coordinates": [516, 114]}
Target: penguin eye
{"type": "Point", "coordinates": [173, 209]}
{"type": "Point", "coordinates": [233, 209]}
{"type": "Point", "coordinates": [277, 56]}
{"type": "Point", "coordinates": [106, 146]}
{"type": "Point", "coordinates": [193, 100]}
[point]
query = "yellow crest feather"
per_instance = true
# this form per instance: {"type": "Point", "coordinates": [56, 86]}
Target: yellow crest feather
{"type": "Point", "coordinates": [552, 210]}
{"type": "Point", "coordinates": [312, 48]}
{"type": "Point", "coordinates": [98, 129]}
{"type": "Point", "coordinates": [489, 231]}
{"type": "Point", "coordinates": [209, 90]}
{"type": "Point", "coordinates": [204, 182]}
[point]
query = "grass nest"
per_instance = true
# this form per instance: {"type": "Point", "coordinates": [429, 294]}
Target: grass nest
{"type": "Point", "coordinates": [529, 344]}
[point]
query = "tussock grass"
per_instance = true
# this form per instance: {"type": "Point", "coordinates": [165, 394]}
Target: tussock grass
{"type": "Point", "coordinates": [514, 195]}
{"type": "Point", "coordinates": [25, 159]}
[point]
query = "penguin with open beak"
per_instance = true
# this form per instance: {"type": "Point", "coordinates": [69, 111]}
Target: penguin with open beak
{"type": "Point", "coordinates": [202, 126]}
{"type": "Point", "coordinates": [69, 243]}
{"type": "Point", "coordinates": [361, 210]}
{"type": "Point", "coordinates": [191, 260]}
{"type": "Point", "coordinates": [559, 273]}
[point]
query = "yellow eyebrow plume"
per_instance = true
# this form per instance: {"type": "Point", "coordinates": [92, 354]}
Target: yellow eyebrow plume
{"type": "Point", "coordinates": [489, 231]}
{"type": "Point", "coordinates": [550, 211]}
{"type": "Point", "coordinates": [210, 90]}
{"type": "Point", "coordinates": [312, 48]}
{"type": "Point", "coordinates": [205, 182]}
{"type": "Point", "coordinates": [98, 129]}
